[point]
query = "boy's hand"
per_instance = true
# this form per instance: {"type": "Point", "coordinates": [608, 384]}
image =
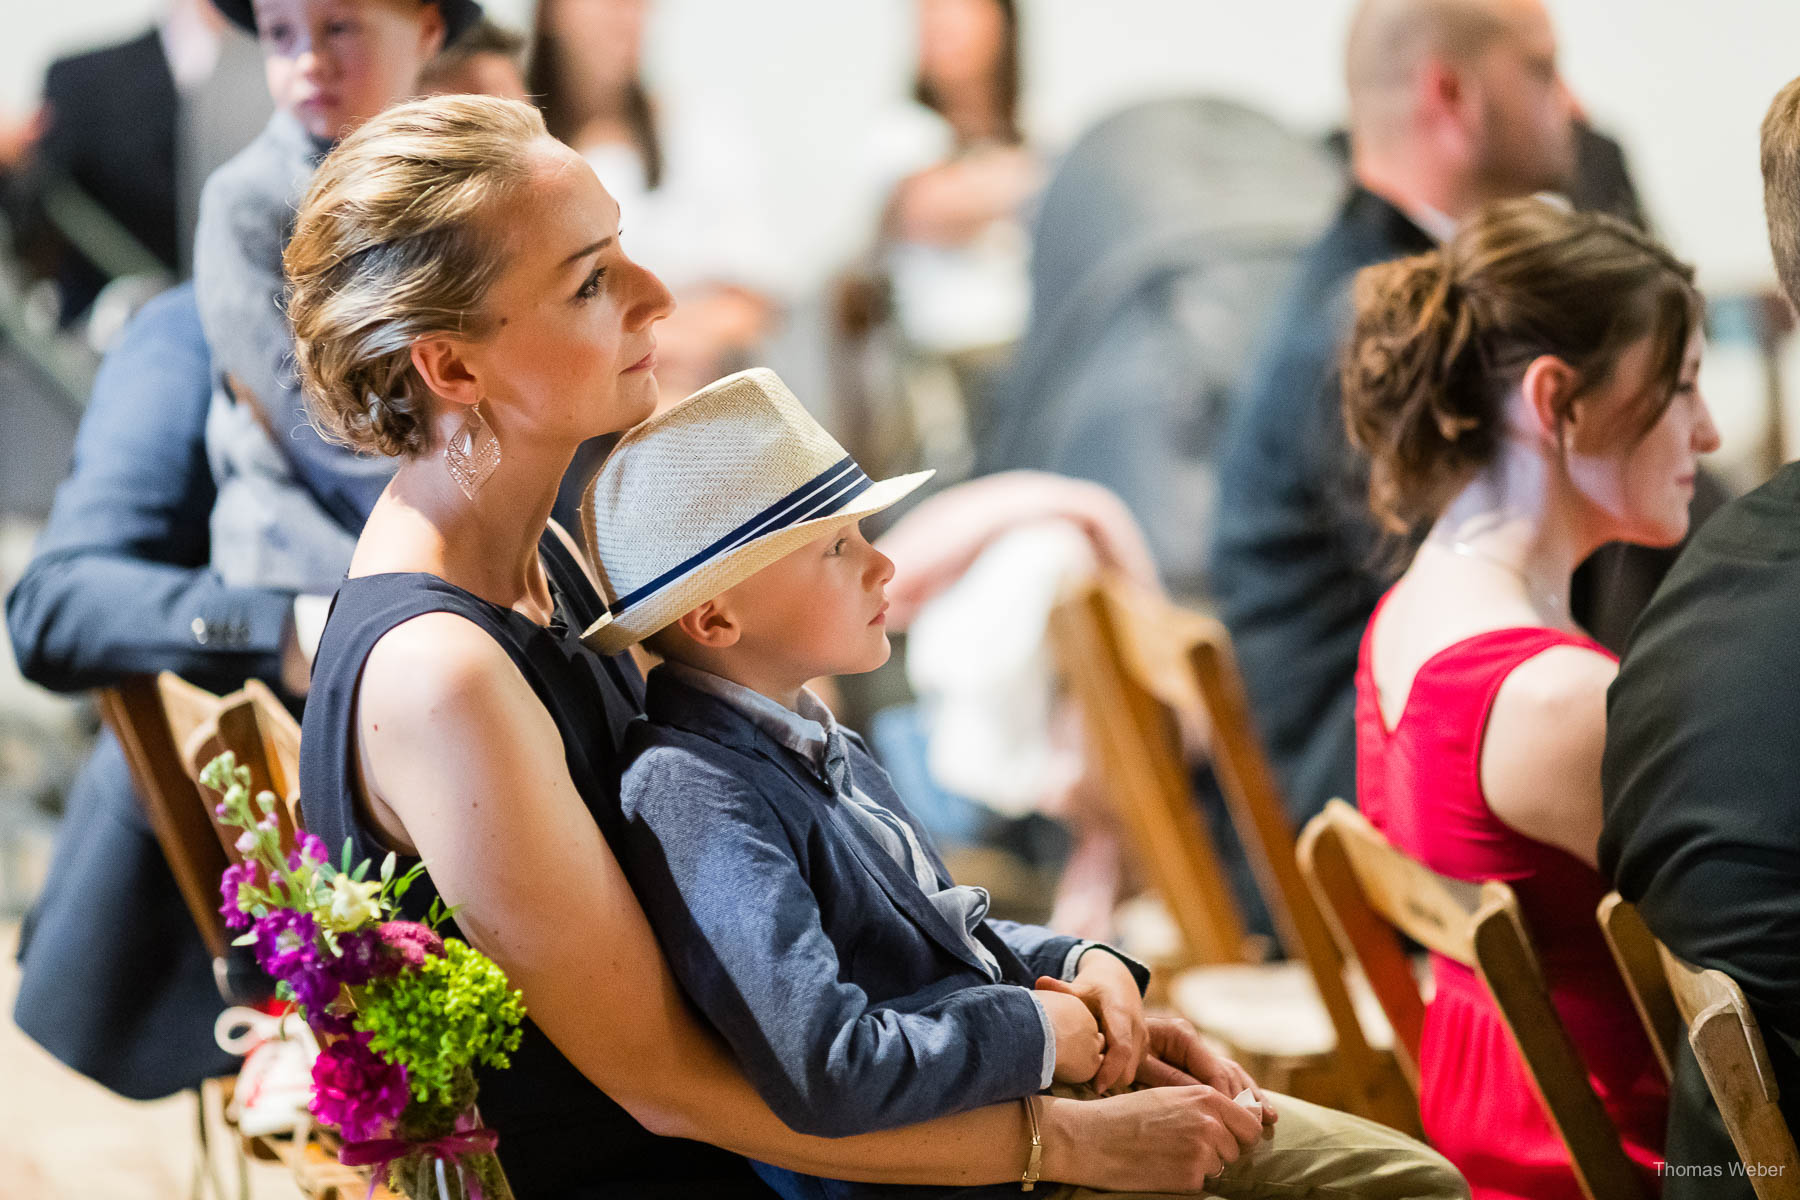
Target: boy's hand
{"type": "Point", "coordinates": [1107, 987]}
{"type": "Point", "coordinates": [1179, 1058]}
{"type": "Point", "coordinates": [1079, 1043]}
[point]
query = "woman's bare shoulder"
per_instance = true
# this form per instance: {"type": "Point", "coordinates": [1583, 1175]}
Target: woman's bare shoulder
{"type": "Point", "coordinates": [1541, 751]}
{"type": "Point", "coordinates": [1557, 685]}
{"type": "Point", "coordinates": [433, 656]}
{"type": "Point", "coordinates": [437, 679]}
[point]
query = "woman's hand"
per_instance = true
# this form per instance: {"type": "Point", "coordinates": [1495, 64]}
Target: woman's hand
{"type": "Point", "coordinates": [1079, 1043]}
{"type": "Point", "coordinates": [1107, 987]}
{"type": "Point", "coordinates": [1165, 1139]}
{"type": "Point", "coordinates": [1178, 1057]}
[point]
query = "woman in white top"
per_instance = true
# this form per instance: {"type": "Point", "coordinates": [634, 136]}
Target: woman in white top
{"type": "Point", "coordinates": [685, 177]}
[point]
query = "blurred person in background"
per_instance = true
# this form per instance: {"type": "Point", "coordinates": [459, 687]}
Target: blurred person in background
{"type": "Point", "coordinates": [134, 128]}
{"type": "Point", "coordinates": [1452, 103]}
{"type": "Point", "coordinates": [686, 174]}
{"type": "Point", "coordinates": [954, 176]}
{"type": "Point", "coordinates": [115, 981]}
{"type": "Point", "coordinates": [488, 58]}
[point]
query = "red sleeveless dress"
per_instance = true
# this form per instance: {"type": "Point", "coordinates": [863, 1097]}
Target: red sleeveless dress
{"type": "Point", "coordinates": [1420, 785]}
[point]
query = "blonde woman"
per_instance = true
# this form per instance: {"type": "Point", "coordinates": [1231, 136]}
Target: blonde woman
{"type": "Point", "coordinates": [460, 299]}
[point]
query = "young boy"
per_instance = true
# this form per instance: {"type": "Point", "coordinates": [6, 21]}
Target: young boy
{"type": "Point", "coordinates": [802, 908]}
{"type": "Point", "coordinates": [289, 503]}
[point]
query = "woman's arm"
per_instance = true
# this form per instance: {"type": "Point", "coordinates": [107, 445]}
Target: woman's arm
{"type": "Point", "coordinates": [935, 543]}
{"type": "Point", "coordinates": [1540, 752]}
{"type": "Point", "coordinates": [454, 742]}
{"type": "Point", "coordinates": [119, 583]}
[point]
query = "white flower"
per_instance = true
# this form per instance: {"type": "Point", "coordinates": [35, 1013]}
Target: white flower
{"type": "Point", "coordinates": [352, 903]}
{"type": "Point", "coordinates": [246, 842]}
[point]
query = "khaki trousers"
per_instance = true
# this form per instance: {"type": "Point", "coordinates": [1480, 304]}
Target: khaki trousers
{"type": "Point", "coordinates": [1315, 1153]}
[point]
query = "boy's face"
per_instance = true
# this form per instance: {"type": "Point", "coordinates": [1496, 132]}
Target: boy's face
{"type": "Point", "coordinates": [334, 64]}
{"type": "Point", "coordinates": [822, 610]}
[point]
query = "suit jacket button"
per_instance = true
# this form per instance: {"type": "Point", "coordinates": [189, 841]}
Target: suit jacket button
{"type": "Point", "coordinates": [201, 630]}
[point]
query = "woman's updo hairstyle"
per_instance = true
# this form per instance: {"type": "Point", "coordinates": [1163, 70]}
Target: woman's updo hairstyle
{"type": "Point", "coordinates": [397, 239]}
{"type": "Point", "coordinates": [1441, 339]}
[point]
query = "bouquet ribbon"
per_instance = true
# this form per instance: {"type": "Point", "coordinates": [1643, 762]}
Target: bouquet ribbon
{"type": "Point", "coordinates": [379, 1152]}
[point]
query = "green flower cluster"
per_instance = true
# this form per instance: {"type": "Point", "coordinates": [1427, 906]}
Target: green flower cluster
{"type": "Point", "coordinates": [454, 1011]}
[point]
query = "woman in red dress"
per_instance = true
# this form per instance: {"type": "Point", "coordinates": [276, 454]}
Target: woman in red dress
{"type": "Point", "coordinates": [1526, 393]}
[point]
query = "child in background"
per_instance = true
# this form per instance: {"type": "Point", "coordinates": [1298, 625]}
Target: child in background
{"type": "Point", "coordinates": [290, 504]}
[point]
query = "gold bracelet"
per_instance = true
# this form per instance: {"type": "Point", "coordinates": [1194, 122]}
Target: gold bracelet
{"type": "Point", "coordinates": [1035, 1163]}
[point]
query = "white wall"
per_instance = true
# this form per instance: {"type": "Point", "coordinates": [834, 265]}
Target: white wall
{"type": "Point", "coordinates": [1683, 85]}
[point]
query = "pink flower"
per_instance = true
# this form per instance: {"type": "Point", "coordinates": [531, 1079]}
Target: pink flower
{"type": "Point", "coordinates": [356, 1089]}
{"type": "Point", "coordinates": [412, 942]}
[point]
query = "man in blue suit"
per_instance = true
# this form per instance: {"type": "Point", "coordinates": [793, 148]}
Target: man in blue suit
{"type": "Point", "coordinates": [116, 982]}
{"type": "Point", "coordinates": [1451, 105]}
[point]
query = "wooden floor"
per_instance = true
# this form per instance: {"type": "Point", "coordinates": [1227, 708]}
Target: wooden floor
{"type": "Point", "coordinates": [64, 1138]}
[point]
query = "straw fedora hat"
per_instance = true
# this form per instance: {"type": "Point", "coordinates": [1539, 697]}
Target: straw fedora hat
{"type": "Point", "coordinates": [703, 496]}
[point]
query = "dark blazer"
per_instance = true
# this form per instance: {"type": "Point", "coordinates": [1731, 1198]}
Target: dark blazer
{"type": "Point", "coordinates": [112, 133]}
{"type": "Point", "coordinates": [848, 999]}
{"type": "Point", "coordinates": [1297, 562]}
{"type": "Point", "coordinates": [116, 982]}
{"type": "Point", "coordinates": [1702, 787]}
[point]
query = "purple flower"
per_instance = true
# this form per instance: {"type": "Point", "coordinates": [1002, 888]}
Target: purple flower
{"type": "Point", "coordinates": [411, 941]}
{"type": "Point", "coordinates": [316, 990]}
{"type": "Point", "coordinates": [356, 1089]}
{"type": "Point", "coordinates": [363, 956]}
{"type": "Point", "coordinates": [236, 876]}
{"type": "Point", "coordinates": [311, 850]}
{"type": "Point", "coordinates": [287, 943]}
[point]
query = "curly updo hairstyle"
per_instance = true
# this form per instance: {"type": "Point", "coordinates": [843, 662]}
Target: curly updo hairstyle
{"type": "Point", "coordinates": [1440, 340]}
{"type": "Point", "coordinates": [397, 239]}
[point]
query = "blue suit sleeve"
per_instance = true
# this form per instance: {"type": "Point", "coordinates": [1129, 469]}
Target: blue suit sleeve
{"type": "Point", "coordinates": [1046, 952]}
{"type": "Point", "coordinates": [119, 583]}
{"type": "Point", "coordinates": [723, 887]}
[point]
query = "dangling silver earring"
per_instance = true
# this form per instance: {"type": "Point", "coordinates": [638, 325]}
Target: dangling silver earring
{"type": "Point", "coordinates": [473, 453]}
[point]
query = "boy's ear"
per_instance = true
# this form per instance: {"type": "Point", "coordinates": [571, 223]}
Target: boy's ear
{"type": "Point", "coordinates": [432, 30]}
{"type": "Point", "coordinates": [442, 364]}
{"type": "Point", "coordinates": [712, 625]}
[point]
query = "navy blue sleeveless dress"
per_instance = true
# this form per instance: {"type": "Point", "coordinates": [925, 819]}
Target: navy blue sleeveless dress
{"type": "Point", "coordinates": [560, 1136]}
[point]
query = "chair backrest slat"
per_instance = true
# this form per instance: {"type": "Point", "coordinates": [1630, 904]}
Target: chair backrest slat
{"type": "Point", "coordinates": [1259, 816]}
{"type": "Point", "coordinates": [1728, 1045]}
{"type": "Point", "coordinates": [1121, 693]}
{"type": "Point", "coordinates": [1363, 880]}
{"type": "Point", "coordinates": [1640, 965]}
{"type": "Point", "coordinates": [136, 713]}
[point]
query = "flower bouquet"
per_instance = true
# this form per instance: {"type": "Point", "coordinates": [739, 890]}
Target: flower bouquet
{"type": "Point", "coordinates": [403, 1015]}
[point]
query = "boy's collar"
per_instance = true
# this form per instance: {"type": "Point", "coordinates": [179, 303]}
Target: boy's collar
{"type": "Point", "coordinates": [813, 723]}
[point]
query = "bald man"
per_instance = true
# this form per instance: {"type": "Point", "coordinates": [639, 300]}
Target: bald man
{"type": "Point", "coordinates": [1452, 103]}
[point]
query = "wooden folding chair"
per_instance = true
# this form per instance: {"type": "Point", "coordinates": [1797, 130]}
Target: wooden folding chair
{"type": "Point", "coordinates": [1133, 662]}
{"type": "Point", "coordinates": [1671, 995]}
{"type": "Point", "coordinates": [1369, 890]}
